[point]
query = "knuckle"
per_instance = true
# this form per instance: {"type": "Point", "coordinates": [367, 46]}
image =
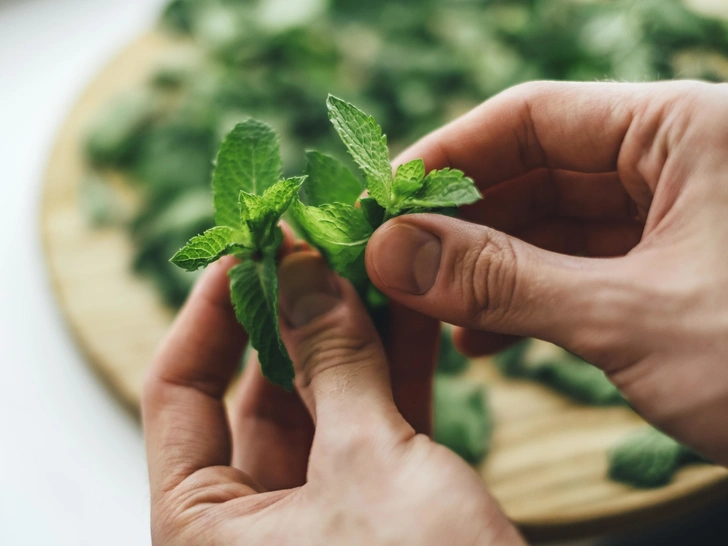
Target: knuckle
{"type": "Point", "coordinates": [152, 392]}
{"type": "Point", "coordinates": [336, 346]}
{"type": "Point", "coordinates": [530, 151]}
{"type": "Point", "coordinates": [487, 276]}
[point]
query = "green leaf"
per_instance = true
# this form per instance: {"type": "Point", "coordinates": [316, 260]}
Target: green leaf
{"type": "Point", "coordinates": [254, 293]}
{"type": "Point", "coordinates": [580, 381]}
{"type": "Point", "coordinates": [462, 421]}
{"type": "Point", "coordinates": [249, 160]}
{"type": "Point", "coordinates": [204, 249]}
{"type": "Point", "coordinates": [366, 144]}
{"type": "Point", "coordinates": [565, 373]}
{"type": "Point", "coordinates": [409, 178]}
{"type": "Point", "coordinates": [329, 181]}
{"type": "Point", "coordinates": [647, 458]}
{"type": "Point", "coordinates": [340, 232]}
{"type": "Point", "coordinates": [444, 188]}
{"type": "Point", "coordinates": [260, 213]}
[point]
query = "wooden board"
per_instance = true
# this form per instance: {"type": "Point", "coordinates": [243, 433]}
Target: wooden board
{"type": "Point", "coordinates": [548, 464]}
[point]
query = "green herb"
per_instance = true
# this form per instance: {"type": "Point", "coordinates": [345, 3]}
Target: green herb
{"type": "Point", "coordinates": [329, 181]}
{"type": "Point", "coordinates": [648, 458]}
{"type": "Point", "coordinates": [462, 417]}
{"type": "Point", "coordinates": [409, 190]}
{"type": "Point", "coordinates": [341, 230]}
{"type": "Point", "coordinates": [341, 233]}
{"type": "Point", "coordinates": [567, 374]}
{"type": "Point", "coordinates": [415, 65]}
{"type": "Point", "coordinates": [450, 361]}
{"type": "Point", "coordinates": [250, 197]}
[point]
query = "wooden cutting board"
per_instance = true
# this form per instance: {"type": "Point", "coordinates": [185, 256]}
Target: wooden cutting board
{"type": "Point", "coordinates": [548, 463]}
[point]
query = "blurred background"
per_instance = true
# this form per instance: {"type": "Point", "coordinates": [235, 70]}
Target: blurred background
{"type": "Point", "coordinates": [72, 467]}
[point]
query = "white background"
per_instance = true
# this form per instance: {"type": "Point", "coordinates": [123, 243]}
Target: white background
{"type": "Point", "coordinates": [72, 468]}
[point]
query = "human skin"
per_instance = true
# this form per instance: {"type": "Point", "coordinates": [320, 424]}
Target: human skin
{"type": "Point", "coordinates": [255, 473]}
{"type": "Point", "coordinates": [603, 229]}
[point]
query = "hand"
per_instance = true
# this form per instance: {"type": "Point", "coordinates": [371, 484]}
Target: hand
{"type": "Point", "coordinates": [574, 175]}
{"type": "Point", "coordinates": [365, 477]}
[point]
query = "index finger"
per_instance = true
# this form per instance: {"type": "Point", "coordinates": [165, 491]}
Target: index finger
{"type": "Point", "coordinates": [569, 126]}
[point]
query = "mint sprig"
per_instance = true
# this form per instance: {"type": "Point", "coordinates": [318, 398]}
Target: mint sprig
{"type": "Point", "coordinates": [410, 190]}
{"type": "Point", "coordinates": [250, 196]}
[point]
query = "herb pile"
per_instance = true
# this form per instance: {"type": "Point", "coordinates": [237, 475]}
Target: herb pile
{"type": "Point", "coordinates": [413, 64]}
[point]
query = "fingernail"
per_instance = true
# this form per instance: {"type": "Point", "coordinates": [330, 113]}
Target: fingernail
{"type": "Point", "coordinates": [407, 258]}
{"type": "Point", "coordinates": [307, 288]}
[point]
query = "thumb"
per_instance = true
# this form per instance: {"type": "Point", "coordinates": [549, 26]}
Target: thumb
{"type": "Point", "coordinates": [341, 368]}
{"type": "Point", "coordinates": [474, 276]}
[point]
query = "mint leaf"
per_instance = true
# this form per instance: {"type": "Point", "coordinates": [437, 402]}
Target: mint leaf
{"type": "Point", "coordinates": [249, 160]}
{"type": "Point", "coordinates": [340, 232]}
{"type": "Point", "coordinates": [366, 144]}
{"type": "Point", "coordinates": [208, 247]}
{"type": "Point", "coordinates": [329, 181]}
{"type": "Point", "coordinates": [254, 293]}
{"type": "Point", "coordinates": [409, 178]}
{"type": "Point", "coordinates": [646, 458]}
{"type": "Point", "coordinates": [444, 188]}
{"type": "Point", "coordinates": [260, 213]}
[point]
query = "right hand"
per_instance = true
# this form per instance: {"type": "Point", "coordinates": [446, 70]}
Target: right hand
{"type": "Point", "coordinates": [607, 214]}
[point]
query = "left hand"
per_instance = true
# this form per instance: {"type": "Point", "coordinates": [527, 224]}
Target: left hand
{"type": "Point", "coordinates": [258, 476]}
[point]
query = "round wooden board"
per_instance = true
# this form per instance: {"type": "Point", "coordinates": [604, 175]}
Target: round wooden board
{"type": "Point", "coordinates": [548, 463]}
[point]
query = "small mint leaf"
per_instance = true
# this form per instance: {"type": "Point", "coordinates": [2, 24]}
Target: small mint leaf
{"type": "Point", "coordinates": [367, 146]}
{"type": "Point", "coordinates": [204, 249]}
{"type": "Point", "coordinates": [444, 188]}
{"type": "Point", "coordinates": [260, 213]}
{"type": "Point", "coordinates": [249, 160]}
{"type": "Point", "coordinates": [329, 181]}
{"type": "Point", "coordinates": [254, 293]}
{"type": "Point", "coordinates": [340, 232]}
{"type": "Point", "coordinates": [646, 458]}
{"type": "Point", "coordinates": [409, 178]}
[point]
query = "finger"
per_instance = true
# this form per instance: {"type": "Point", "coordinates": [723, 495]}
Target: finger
{"type": "Point", "coordinates": [184, 418]}
{"type": "Point", "coordinates": [272, 431]}
{"type": "Point", "coordinates": [290, 243]}
{"type": "Point", "coordinates": [594, 239]}
{"type": "Point", "coordinates": [582, 127]}
{"type": "Point", "coordinates": [412, 347]}
{"type": "Point", "coordinates": [341, 368]}
{"type": "Point", "coordinates": [549, 194]}
{"type": "Point", "coordinates": [475, 343]}
{"type": "Point", "coordinates": [474, 276]}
